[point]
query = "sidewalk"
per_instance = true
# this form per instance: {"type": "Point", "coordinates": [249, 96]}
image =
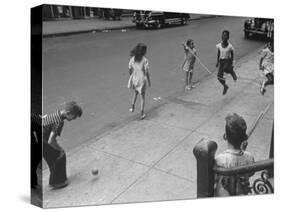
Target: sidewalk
{"type": "Point", "coordinates": [152, 159]}
{"type": "Point", "coordinates": [68, 27]}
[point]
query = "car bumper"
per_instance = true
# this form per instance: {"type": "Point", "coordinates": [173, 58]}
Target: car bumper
{"type": "Point", "coordinates": [149, 23]}
{"type": "Point", "coordinates": [252, 31]}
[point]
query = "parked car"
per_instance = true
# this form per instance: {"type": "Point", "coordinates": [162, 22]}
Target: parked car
{"type": "Point", "coordinates": [259, 26]}
{"type": "Point", "coordinates": [153, 19]}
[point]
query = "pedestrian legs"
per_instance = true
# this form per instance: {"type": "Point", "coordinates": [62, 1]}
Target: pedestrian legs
{"type": "Point", "coordinates": [56, 160]}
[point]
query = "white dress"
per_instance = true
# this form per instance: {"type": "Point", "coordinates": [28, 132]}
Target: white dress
{"type": "Point", "coordinates": [138, 78]}
{"type": "Point", "coordinates": [189, 59]}
{"type": "Point", "coordinates": [268, 61]}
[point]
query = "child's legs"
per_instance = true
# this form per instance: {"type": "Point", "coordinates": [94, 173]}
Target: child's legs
{"type": "Point", "coordinates": [186, 78]}
{"type": "Point", "coordinates": [36, 156]}
{"type": "Point", "coordinates": [142, 101]}
{"type": "Point", "coordinates": [134, 98]}
{"type": "Point", "coordinates": [269, 80]}
{"type": "Point", "coordinates": [56, 161]}
{"type": "Point", "coordinates": [220, 76]}
{"type": "Point", "coordinates": [190, 77]}
{"type": "Point", "coordinates": [59, 170]}
{"type": "Point", "coordinates": [233, 74]}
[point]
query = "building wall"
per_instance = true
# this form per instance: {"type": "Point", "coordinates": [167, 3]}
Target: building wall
{"type": "Point", "coordinates": [62, 12]}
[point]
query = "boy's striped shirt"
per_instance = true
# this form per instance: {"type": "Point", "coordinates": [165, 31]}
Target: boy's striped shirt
{"type": "Point", "coordinates": [49, 122]}
{"type": "Point", "coordinates": [47, 119]}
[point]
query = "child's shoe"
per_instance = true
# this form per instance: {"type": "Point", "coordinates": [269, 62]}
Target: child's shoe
{"type": "Point", "coordinates": [132, 109]}
{"type": "Point", "coordinates": [59, 185]}
{"type": "Point", "coordinates": [225, 88]}
{"type": "Point", "coordinates": [188, 88]}
{"type": "Point", "coordinates": [262, 89]}
{"type": "Point", "coordinates": [142, 116]}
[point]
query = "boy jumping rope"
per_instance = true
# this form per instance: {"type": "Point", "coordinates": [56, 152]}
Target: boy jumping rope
{"type": "Point", "coordinates": [225, 57]}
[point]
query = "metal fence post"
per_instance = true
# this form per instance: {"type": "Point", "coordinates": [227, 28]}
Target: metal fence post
{"type": "Point", "coordinates": [204, 152]}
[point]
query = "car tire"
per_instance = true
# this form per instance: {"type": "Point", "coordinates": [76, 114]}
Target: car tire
{"type": "Point", "coordinates": [138, 26]}
{"type": "Point", "coordinates": [184, 21]}
{"type": "Point", "coordinates": [246, 35]}
{"type": "Point", "coordinates": [158, 25]}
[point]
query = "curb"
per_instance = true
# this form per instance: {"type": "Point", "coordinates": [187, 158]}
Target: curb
{"type": "Point", "coordinates": [108, 28]}
{"type": "Point", "coordinates": [94, 30]}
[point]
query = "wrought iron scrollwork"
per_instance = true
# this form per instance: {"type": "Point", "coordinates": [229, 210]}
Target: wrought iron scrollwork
{"type": "Point", "coordinates": [262, 185]}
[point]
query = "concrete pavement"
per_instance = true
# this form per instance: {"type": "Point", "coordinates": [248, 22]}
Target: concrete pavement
{"type": "Point", "coordinates": [152, 159]}
{"type": "Point", "coordinates": [69, 27]}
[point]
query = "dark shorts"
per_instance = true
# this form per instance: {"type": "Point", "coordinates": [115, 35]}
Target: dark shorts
{"type": "Point", "coordinates": [225, 66]}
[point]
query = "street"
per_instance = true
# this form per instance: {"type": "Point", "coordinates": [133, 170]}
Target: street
{"type": "Point", "coordinates": [92, 69]}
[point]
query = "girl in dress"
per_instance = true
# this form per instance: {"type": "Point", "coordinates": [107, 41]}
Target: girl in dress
{"type": "Point", "coordinates": [139, 75]}
{"type": "Point", "coordinates": [188, 64]}
{"type": "Point", "coordinates": [267, 66]}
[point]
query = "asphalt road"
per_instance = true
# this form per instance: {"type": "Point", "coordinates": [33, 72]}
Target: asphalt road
{"type": "Point", "coordinates": [92, 69]}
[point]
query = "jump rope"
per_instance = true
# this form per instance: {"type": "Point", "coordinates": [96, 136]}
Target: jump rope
{"type": "Point", "coordinates": [211, 73]}
{"type": "Point", "coordinates": [262, 113]}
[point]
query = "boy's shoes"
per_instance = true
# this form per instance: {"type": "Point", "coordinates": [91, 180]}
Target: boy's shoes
{"type": "Point", "coordinates": [188, 88]}
{"type": "Point", "coordinates": [59, 185]}
{"type": "Point", "coordinates": [142, 116]}
{"type": "Point", "coordinates": [225, 88]}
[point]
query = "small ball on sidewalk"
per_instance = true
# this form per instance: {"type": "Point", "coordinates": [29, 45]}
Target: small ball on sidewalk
{"type": "Point", "coordinates": [95, 172]}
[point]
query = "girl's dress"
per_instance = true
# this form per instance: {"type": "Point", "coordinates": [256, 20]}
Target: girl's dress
{"type": "Point", "coordinates": [138, 78]}
{"type": "Point", "coordinates": [232, 185]}
{"type": "Point", "coordinates": [189, 59]}
{"type": "Point", "coordinates": [268, 61]}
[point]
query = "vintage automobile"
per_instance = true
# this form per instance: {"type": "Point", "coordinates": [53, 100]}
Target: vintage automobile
{"type": "Point", "coordinates": [259, 26]}
{"type": "Point", "coordinates": [154, 19]}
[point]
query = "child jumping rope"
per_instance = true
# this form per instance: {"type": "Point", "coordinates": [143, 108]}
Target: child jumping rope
{"type": "Point", "coordinates": [225, 57]}
{"type": "Point", "coordinates": [267, 66]}
{"type": "Point", "coordinates": [188, 64]}
{"type": "Point", "coordinates": [139, 75]}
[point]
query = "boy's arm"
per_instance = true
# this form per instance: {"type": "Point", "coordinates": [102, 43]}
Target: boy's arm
{"type": "Point", "coordinates": [231, 55]}
{"type": "Point", "coordinates": [218, 58]}
{"type": "Point", "coordinates": [35, 136]}
{"type": "Point", "coordinates": [53, 141]}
